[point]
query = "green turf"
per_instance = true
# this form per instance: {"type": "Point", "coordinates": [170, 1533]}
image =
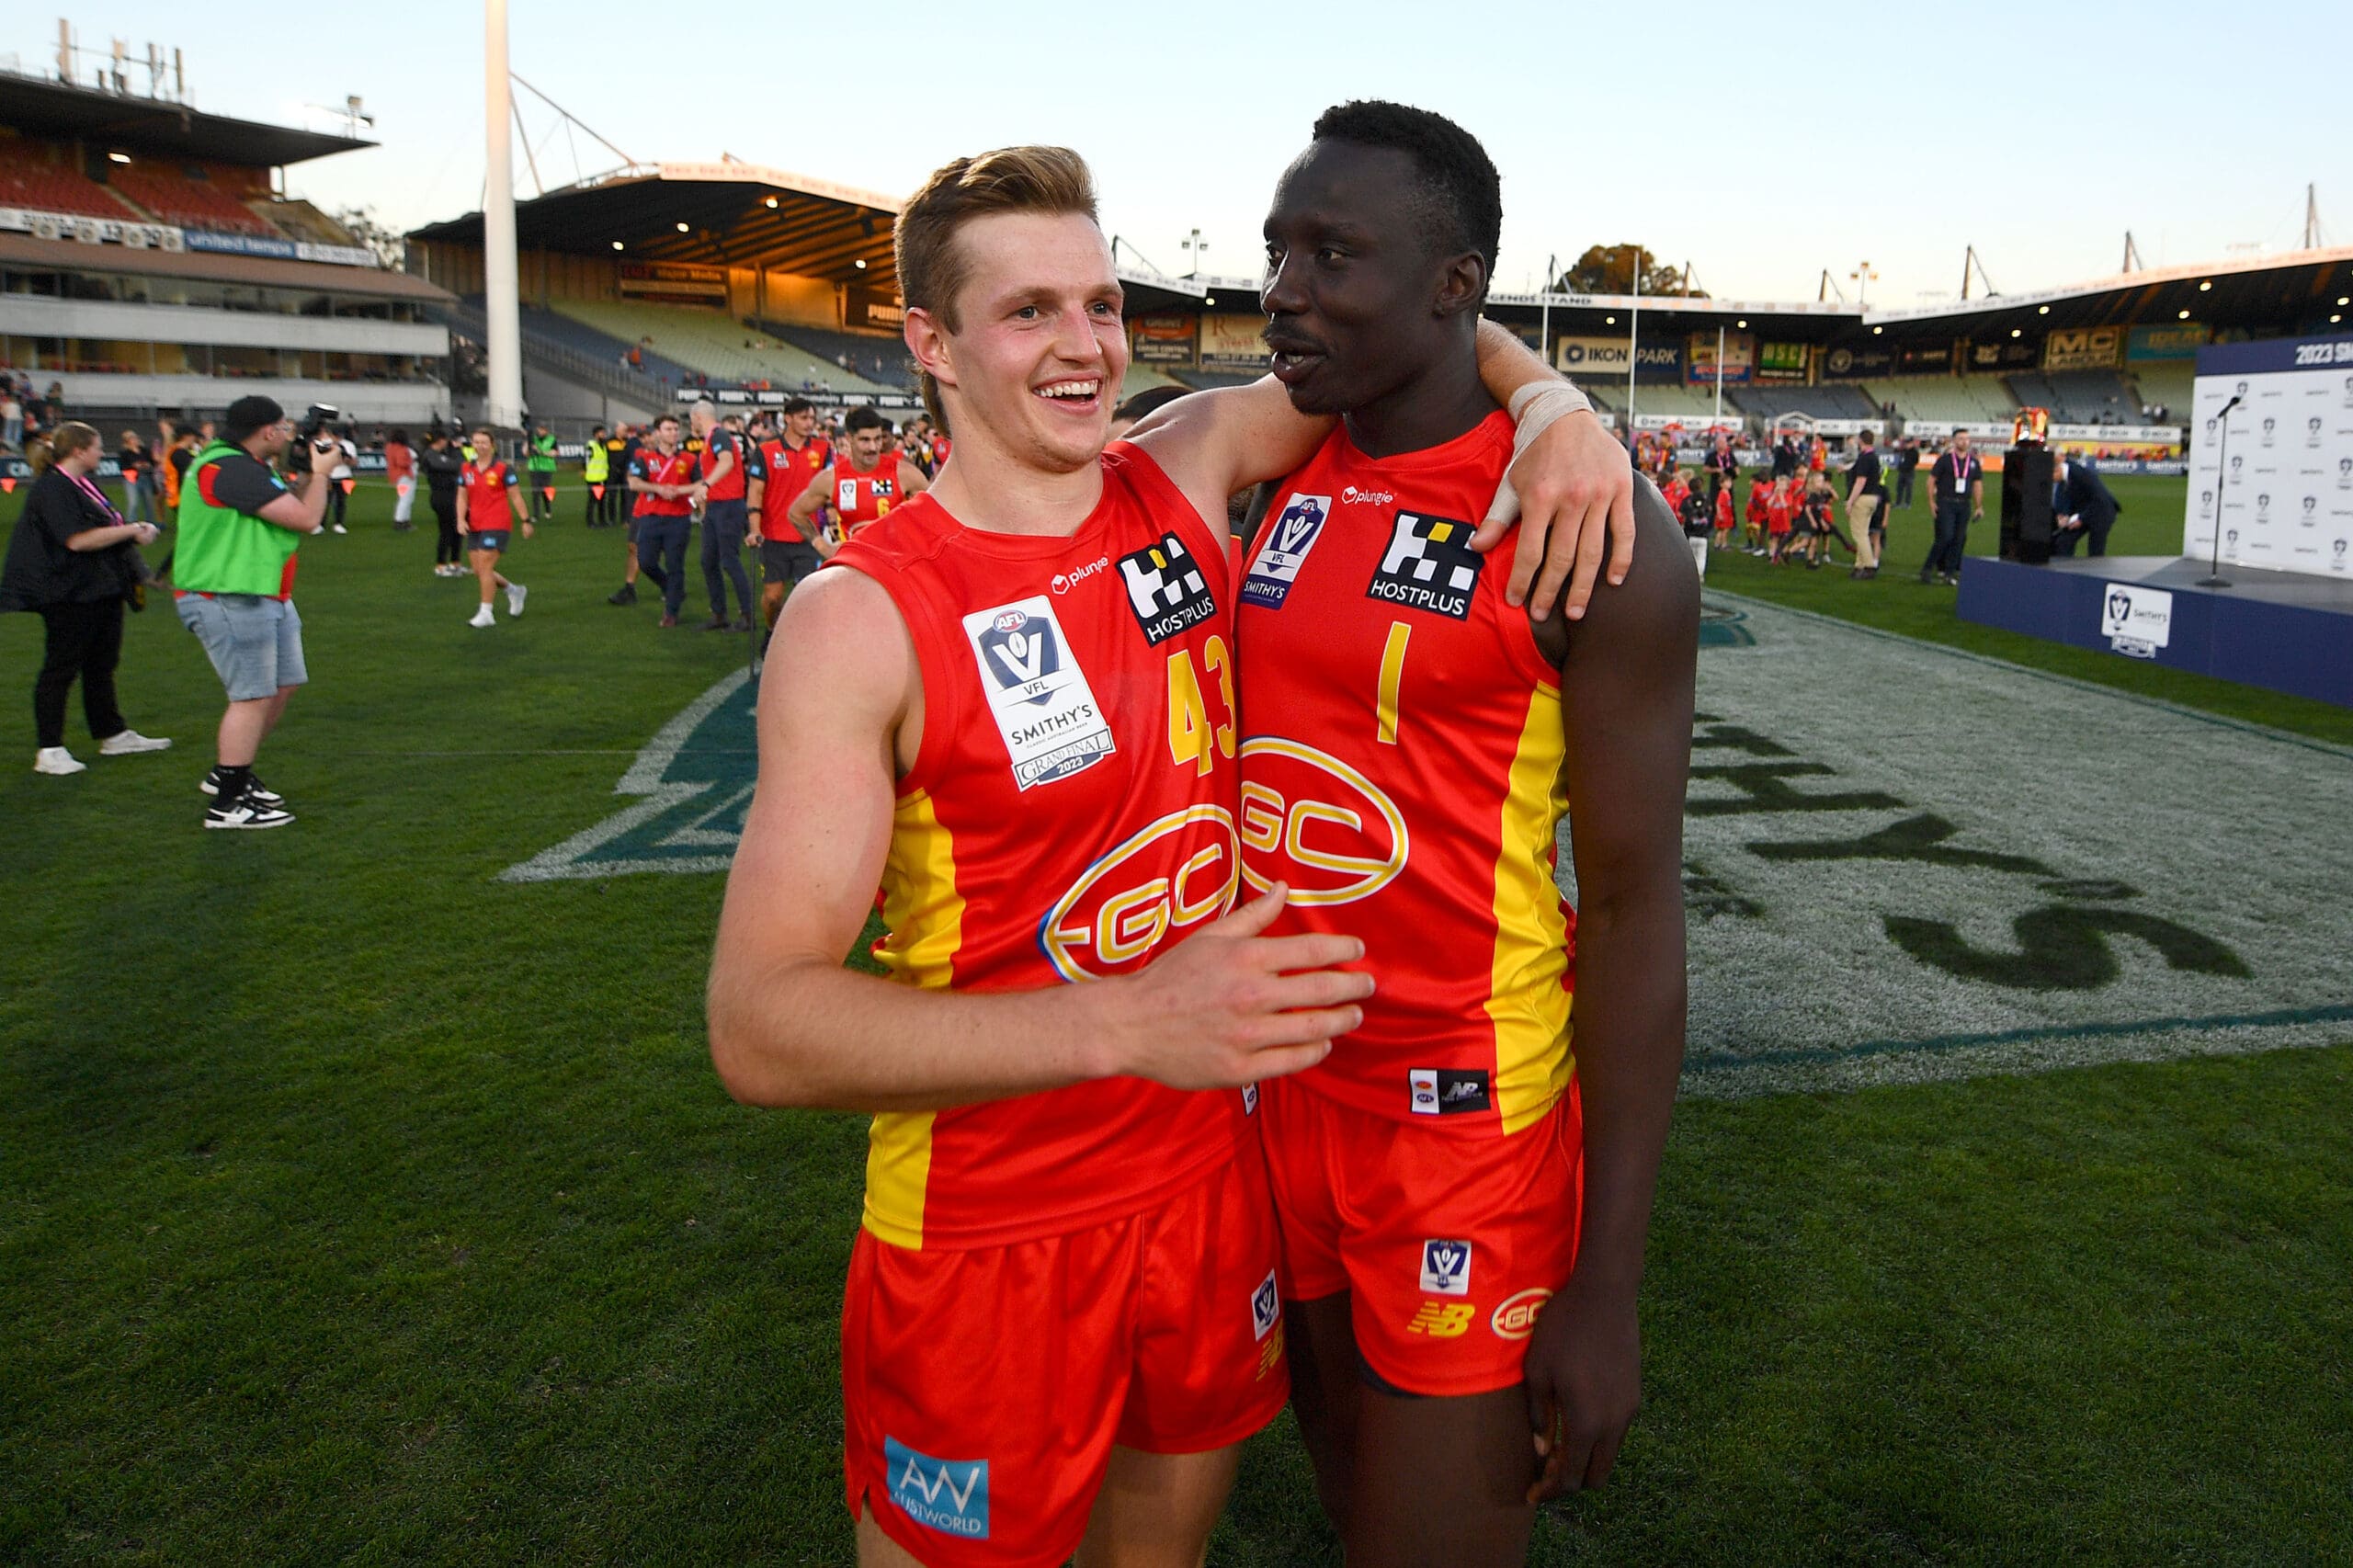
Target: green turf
{"type": "Point", "coordinates": [358, 1207]}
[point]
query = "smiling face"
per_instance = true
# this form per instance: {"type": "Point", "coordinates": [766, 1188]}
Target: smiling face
{"type": "Point", "coordinates": [1359, 300]}
{"type": "Point", "coordinates": [1034, 362]}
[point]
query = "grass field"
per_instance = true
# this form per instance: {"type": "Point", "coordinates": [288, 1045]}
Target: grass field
{"type": "Point", "coordinates": [358, 1206]}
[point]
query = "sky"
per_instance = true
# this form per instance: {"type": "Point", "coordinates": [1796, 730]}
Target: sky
{"type": "Point", "coordinates": [1761, 144]}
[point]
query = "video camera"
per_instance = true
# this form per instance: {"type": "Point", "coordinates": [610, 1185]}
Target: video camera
{"type": "Point", "coordinates": [316, 421]}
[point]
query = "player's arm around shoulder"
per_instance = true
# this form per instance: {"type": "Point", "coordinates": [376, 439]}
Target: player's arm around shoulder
{"type": "Point", "coordinates": [1211, 444]}
{"type": "Point", "coordinates": [1626, 693]}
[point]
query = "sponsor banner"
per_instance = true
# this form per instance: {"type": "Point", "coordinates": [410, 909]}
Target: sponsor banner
{"type": "Point", "coordinates": [1978, 429]}
{"type": "Point", "coordinates": [2121, 435]}
{"type": "Point", "coordinates": [2136, 621]}
{"type": "Point", "coordinates": [873, 308]}
{"type": "Point", "coordinates": [1739, 359]}
{"type": "Point", "coordinates": [1234, 343]}
{"type": "Point", "coordinates": [1858, 364]}
{"type": "Point", "coordinates": [1161, 340]}
{"type": "Point", "coordinates": [777, 397]}
{"type": "Point", "coordinates": [1729, 420]}
{"type": "Point", "coordinates": [2174, 340]}
{"type": "Point", "coordinates": [2003, 354]}
{"type": "Point", "coordinates": [91, 231]}
{"type": "Point", "coordinates": [2276, 472]}
{"type": "Point", "coordinates": [1920, 359]}
{"type": "Point", "coordinates": [1606, 356]}
{"type": "Point", "coordinates": [1782, 362]}
{"type": "Point", "coordinates": [2084, 348]}
{"type": "Point", "coordinates": [674, 281]}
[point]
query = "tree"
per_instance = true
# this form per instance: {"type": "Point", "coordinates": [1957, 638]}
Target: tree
{"type": "Point", "coordinates": [391, 249]}
{"type": "Point", "coordinates": [1610, 269]}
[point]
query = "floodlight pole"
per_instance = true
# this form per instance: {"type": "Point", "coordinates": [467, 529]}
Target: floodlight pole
{"type": "Point", "coordinates": [501, 284]}
{"type": "Point", "coordinates": [1633, 345]}
{"type": "Point", "coordinates": [1544, 313]}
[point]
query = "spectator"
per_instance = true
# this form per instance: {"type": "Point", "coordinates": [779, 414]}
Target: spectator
{"type": "Point", "coordinates": [1957, 486]}
{"type": "Point", "coordinates": [1907, 461]}
{"type": "Point", "coordinates": [12, 420]}
{"type": "Point", "coordinates": [340, 477]}
{"type": "Point", "coordinates": [1865, 498]}
{"type": "Point", "coordinates": [138, 479]}
{"type": "Point", "coordinates": [1785, 454]}
{"type": "Point", "coordinates": [400, 467]}
{"type": "Point", "coordinates": [74, 561]}
{"type": "Point", "coordinates": [239, 529]}
{"type": "Point", "coordinates": [443, 468]}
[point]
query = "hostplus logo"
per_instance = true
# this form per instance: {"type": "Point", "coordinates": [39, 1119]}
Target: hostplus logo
{"type": "Point", "coordinates": [1166, 590]}
{"type": "Point", "coordinates": [950, 1495]}
{"type": "Point", "coordinates": [1429, 565]}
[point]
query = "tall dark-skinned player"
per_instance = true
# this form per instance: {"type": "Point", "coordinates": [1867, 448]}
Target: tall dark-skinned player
{"type": "Point", "coordinates": [1464, 1183]}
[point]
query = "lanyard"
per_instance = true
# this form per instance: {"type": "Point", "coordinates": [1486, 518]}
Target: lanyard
{"type": "Point", "coordinates": [92, 492]}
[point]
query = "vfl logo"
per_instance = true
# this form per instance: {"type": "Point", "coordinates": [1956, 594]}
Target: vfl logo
{"type": "Point", "coordinates": [2310, 502]}
{"type": "Point", "coordinates": [952, 1496]}
{"type": "Point", "coordinates": [1446, 1268]}
{"type": "Point", "coordinates": [1316, 823]}
{"type": "Point", "coordinates": [2269, 425]}
{"type": "Point", "coordinates": [1266, 1307]}
{"type": "Point", "coordinates": [1249, 1099]}
{"type": "Point", "coordinates": [1064, 582]}
{"type": "Point", "coordinates": [2119, 607]}
{"type": "Point", "coordinates": [2337, 556]}
{"type": "Point", "coordinates": [1515, 1318]}
{"type": "Point", "coordinates": [2235, 461]}
{"type": "Point", "coordinates": [1429, 565]}
{"type": "Point", "coordinates": [2312, 432]}
{"type": "Point", "coordinates": [1047, 713]}
{"type": "Point", "coordinates": [1166, 590]}
{"type": "Point", "coordinates": [1285, 550]}
{"type": "Point", "coordinates": [2345, 474]}
{"type": "Point", "coordinates": [1179, 872]}
{"type": "Point", "coordinates": [2263, 509]}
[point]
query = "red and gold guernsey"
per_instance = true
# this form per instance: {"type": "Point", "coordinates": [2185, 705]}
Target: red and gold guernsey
{"type": "Point", "coordinates": [1069, 814]}
{"type": "Point", "coordinates": [860, 499]}
{"type": "Point", "coordinates": [1401, 771]}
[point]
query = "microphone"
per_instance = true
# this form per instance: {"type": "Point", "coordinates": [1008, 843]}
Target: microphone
{"type": "Point", "coordinates": [2235, 399]}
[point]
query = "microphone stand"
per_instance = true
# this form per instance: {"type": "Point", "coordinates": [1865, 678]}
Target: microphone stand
{"type": "Point", "coordinates": [2214, 578]}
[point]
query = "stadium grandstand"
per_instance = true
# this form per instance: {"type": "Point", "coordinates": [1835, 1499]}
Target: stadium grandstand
{"type": "Point", "coordinates": [150, 263]}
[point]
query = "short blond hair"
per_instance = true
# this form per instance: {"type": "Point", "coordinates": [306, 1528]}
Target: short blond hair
{"type": "Point", "coordinates": [932, 268]}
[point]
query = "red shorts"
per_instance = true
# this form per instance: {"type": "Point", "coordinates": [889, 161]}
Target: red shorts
{"type": "Point", "coordinates": [1447, 1242]}
{"type": "Point", "coordinates": [984, 1389]}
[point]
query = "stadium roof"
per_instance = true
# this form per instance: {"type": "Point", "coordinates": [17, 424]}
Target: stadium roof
{"type": "Point", "coordinates": [38, 107]}
{"type": "Point", "coordinates": [2267, 289]}
{"type": "Point", "coordinates": [726, 214]}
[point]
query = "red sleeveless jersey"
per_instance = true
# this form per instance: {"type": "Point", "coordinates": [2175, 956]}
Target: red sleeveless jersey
{"type": "Point", "coordinates": [1400, 770]}
{"type": "Point", "coordinates": [786, 474]}
{"type": "Point", "coordinates": [862, 498]}
{"type": "Point", "coordinates": [1069, 813]}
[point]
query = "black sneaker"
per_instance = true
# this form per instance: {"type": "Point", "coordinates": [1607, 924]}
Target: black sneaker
{"type": "Point", "coordinates": [245, 812]}
{"type": "Point", "coordinates": [255, 789]}
{"type": "Point", "coordinates": [626, 595]}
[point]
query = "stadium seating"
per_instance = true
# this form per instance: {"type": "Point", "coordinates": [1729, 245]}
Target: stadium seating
{"type": "Point", "coordinates": [876, 356]}
{"type": "Point", "coordinates": [46, 189]}
{"type": "Point", "coordinates": [2091, 397]}
{"type": "Point", "coordinates": [2167, 384]}
{"type": "Point", "coordinates": [1684, 401]}
{"type": "Point", "coordinates": [714, 344]}
{"type": "Point", "coordinates": [191, 203]}
{"type": "Point", "coordinates": [1959, 398]}
{"type": "Point", "coordinates": [1769, 401]}
{"type": "Point", "coordinates": [299, 220]}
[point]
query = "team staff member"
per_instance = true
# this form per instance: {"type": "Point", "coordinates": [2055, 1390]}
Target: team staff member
{"type": "Point", "coordinates": [865, 481]}
{"type": "Point", "coordinates": [539, 465]}
{"type": "Point", "coordinates": [784, 459]}
{"type": "Point", "coordinates": [595, 463]}
{"type": "Point", "coordinates": [74, 559]}
{"type": "Point", "coordinates": [443, 468]}
{"type": "Point", "coordinates": [1865, 509]}
{"type": "Point", "coordinates": [2084, 506]}
{"type": "Point", "coordinates": [624, 449]}
{"type": "Point", "coordinates": [662, 477]}
{"type": "Point", "coordinates": [233, 575]}
{"type": "Point", "coordinates": [400, 467]}
{"type": "Point", "coordinates": [723, 484]}
{"type": "Point", "coordinates": [1006, 646]}
{"type": "Point", "coordinates": [484, 495]}
{"type": "Point", "coordinates": [1463, 1231]}
{"type": "Point", "coordinates": [1957, 489]}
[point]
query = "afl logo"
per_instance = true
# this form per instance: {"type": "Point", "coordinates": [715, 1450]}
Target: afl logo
{"type": "Point", "coordinates": [1011, 621]}
{"type": "Point", "coordinates": [1311, 820]}
{"type": "Point", "coordinates": [1177, 872]}
{"type": "Point", "coordinates": [1515, 1318]}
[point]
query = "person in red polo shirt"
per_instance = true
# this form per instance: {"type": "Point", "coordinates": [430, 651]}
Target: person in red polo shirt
{"type": "Point", "coordinates": [488, 488]}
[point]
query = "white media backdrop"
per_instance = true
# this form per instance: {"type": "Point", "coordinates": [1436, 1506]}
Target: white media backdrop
{"type": "Point", "coordinates": [2285, 483]}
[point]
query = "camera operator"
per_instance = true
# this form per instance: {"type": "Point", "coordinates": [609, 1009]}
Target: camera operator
{"type": "Point", "coordinates": [233, 574]}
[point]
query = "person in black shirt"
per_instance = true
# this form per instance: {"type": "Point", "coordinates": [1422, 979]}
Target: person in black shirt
{"type": "Point", "coordinates": [74, 561]}
{"type": "Point", "coordinates": [443, 468]}
{"type": "Point", "coordinates": [1907, 462]}
{"type": "Point", "coordinates": [1866, 506]}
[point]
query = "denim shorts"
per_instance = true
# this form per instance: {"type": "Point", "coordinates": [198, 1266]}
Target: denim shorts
{"type": "Point", "coordinates": [255, 643]}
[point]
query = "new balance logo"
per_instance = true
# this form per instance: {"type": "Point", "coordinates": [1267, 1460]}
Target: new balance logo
{"type": "Point", "coordinates": [1429, 565]}
{"type": "Point", "coordinates": [1442, 1320]}
{"type": "Point", "coordinates": [947, 1495]}
{"type": "Point", "coordinates": [1166, 590]}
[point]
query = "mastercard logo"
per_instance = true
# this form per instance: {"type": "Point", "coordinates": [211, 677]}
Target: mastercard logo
{"type": "Point", "coordinates": [1515, 1318]}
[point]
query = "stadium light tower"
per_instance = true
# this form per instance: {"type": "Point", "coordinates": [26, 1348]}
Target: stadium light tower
{"type": "Point", "coordinates": [1194, 245]}
{"type": "Point", "coordinates": [1863, 276]}
{"type": "Point", "coordinates": [503, 406]}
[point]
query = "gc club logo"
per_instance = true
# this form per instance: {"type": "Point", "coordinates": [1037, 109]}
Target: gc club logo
{"type": "Point", "coordinates": [1175, 874]}
{"type": "Point", "coordinates": [1515, 1318]}
{"type": "Point", "coordinates": [1313, 822]}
